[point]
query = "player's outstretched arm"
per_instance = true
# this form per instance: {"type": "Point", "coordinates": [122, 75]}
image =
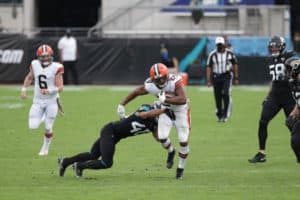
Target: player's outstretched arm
{"type": "Point", "coordinates": [137, 92]}
{"type": "Point", "coordinates": [27, 81]}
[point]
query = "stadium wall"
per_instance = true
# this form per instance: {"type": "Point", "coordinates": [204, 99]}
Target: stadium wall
{"type": "Point", "coordinates": [119, 61]}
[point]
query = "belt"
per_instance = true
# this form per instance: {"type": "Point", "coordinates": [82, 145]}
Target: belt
{"type": "Point", "coordinates": [220, 74]}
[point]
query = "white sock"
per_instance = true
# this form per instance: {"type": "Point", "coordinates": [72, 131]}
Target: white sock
{"type": "Point", "coordinates": [167, 145]}
{"type": "Point", "coordinates": [183, 153]}
{"type": "Point", "coordinates": [47, 141]}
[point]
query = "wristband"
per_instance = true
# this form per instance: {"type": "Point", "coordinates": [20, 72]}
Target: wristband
{"type": "Point", "coordinates": [52, 90]}
{"type": "Point", "coordinates": [23, 89]}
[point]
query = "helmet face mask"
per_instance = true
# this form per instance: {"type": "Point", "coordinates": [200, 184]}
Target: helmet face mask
{"type": "Point", "coordinates": [160, 82]}
{"type": "Point", "coordinates": [276, 46]}
{"type": "Point", "coordinates": [159, 74]}
{"type": "Point", "coordinates": [45, 55]}
{"type": "Point", "coordinates": [293, 65]}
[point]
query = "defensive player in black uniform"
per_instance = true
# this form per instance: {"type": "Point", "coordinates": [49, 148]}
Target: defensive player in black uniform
{"type": "Point", "coordinates": [279, 96]}
{"type": "Point", "coordinates": [141, 121]}
{"type": "Point", "coordinates": [293, 121]}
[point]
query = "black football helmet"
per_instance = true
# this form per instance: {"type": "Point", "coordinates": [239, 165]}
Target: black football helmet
{"type": "Point", "coordinates": [293, 64]}
{"type": "Point", "coordinates": [276, 45]}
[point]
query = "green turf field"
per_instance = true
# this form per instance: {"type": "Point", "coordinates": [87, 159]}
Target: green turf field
{"type": "Point", "coordinates": [217, 166]}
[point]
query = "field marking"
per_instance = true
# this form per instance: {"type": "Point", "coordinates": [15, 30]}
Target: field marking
{"type": "Point", "coordinates": [129, 87]}
{"type": "Point", "coordinates": [250, 88]}
{"type": "Point", "coordinates": [11, 105]}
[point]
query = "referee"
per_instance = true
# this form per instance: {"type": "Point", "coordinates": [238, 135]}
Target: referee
{"type": "Point", "coordinates": [222, 68]}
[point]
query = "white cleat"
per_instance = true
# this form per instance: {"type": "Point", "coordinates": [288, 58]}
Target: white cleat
{"type": "Point", "coordinates": [43, 153]}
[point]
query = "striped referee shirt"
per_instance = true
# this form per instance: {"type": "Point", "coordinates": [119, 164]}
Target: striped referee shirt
{"type": "Point", "coordinates": [221, 62]}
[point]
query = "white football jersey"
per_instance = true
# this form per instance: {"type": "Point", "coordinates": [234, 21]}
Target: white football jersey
{"type": "Point", "coordinates": [45, 78]}
{"type": "Point", "coordinates": [173, 82]}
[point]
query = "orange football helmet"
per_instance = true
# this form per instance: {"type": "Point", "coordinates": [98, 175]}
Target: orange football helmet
{"type": "Point", "coordinates": [159, 74]}
{"type": "Point", "coordinates": [45, 54]}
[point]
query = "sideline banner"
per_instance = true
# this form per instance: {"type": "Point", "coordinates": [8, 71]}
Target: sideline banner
{"type": "Point", "coordinates": [118, 61]}
{"type": "Point", "coordinates": [13, 58]}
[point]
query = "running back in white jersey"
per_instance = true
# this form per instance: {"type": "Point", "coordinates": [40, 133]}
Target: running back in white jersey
{"type": "Point", "coordinates": [173, 82]}
{"type": "Point", "coordinates": [182, 112]}
{"type": "Point", "coordinates": [45, 79]}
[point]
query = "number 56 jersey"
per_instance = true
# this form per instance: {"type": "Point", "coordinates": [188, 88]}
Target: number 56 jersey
{"type": "Point", "coordinates": [279, 73]}
{"type": "Point", "coordinates": [44, 78]}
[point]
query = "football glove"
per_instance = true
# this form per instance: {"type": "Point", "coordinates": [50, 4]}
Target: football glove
{"type": "Point", "coordinates": [170, 113]}
{"type": "Point", "coordinates": [162, 96]}
{"type": "Point", "coordinates": [121, 111]}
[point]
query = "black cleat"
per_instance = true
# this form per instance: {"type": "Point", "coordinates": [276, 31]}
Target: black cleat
{"type": "Point", "coordinates": [77, 170]}
{"type": "Point", "coordinates": [170, 160]}
{"type": "Point", "coordinates": [62, 168]}
{"type": "Point", "coordinates": [259, 157]}
{"type": "Point", "coordinates": [179, 173]}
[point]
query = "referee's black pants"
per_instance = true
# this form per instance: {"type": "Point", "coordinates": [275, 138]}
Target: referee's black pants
{"type": "Point", "coordinates": [222, 91]}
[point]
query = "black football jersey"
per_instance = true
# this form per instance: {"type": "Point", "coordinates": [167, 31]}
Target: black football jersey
{"type": "Point", "coordinates": [278, 73]}
{"type": "Point", "coordinates": [133, 125]}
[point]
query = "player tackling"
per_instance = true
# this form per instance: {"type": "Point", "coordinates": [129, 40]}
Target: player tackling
{"type": "Point", "coordinates": [170, 91]}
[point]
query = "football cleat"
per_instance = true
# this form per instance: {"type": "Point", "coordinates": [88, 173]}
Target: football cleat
{"type": "Point", "coordinates": [43, 152]}
{"type": "Point", "coordinates": [77, 170]}
{"type": "Point", "coordinates": [224, 119]}
{"type": "Point", "coordinates": [62, 168]}
{"type": "Point", "coordinates": [259, 157]}
{"type": "Point", "coordinates": [170, 160]}
{"type": "Point", "coordinates": [179, 173]}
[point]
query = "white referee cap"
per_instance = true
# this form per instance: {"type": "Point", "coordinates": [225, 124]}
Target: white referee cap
{"type": "Point", "coordinates": [220, 40]}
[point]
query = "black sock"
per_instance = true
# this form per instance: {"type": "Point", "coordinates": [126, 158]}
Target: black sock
{"type": "Point", "coordinates": [82, 157]}
{"type": "Point", "coordinates": [94, 164]}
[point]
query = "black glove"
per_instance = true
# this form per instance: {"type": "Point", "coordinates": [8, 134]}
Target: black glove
{"type": "Point", "coordinates": [290, 122]}
{"type": "Point", "coordinates": [170, 114]}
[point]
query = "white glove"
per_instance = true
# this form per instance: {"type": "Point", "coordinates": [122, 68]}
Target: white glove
{"type": "Point", "coordinates": [121, 111]}
{"type": "Point", "coordinates": [162, 96]}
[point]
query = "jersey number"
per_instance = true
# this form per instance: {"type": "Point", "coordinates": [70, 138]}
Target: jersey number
{"type": "Point", "coordinates": [42, 81]}
{"type": "Point", "coordinates": [137, 128]}
{"type": "Point", "coordinates": [277, 71]}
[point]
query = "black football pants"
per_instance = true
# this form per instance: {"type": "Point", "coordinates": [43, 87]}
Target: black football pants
{"type": "Point", "coordinates": [270, 107]}
{"type": "Point", "coordinates": [103, 147]}
{"type": "Point", "coordinates": [295, 140]}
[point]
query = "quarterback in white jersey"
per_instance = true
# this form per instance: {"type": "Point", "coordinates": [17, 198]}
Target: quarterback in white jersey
{"type": "Point", "coordinates": [170, 91]}
{"type": "Point", "coordinates": [48, 83]}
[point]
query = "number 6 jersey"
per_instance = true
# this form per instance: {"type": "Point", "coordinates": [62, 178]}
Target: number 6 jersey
{"type": "Point", "coordinates": [44, 78]}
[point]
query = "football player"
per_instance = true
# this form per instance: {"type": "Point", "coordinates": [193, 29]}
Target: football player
{"type": "Point", "coordinates": [279, 97]}
{"type": "Point", "coordinates": [293, 121]}
{"type": "Point", "coordinates": [48, 83]}
{"type": "Point", "coordinates": [169, 89]}
{"type": "Point", "coordinates": [142, 121]}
